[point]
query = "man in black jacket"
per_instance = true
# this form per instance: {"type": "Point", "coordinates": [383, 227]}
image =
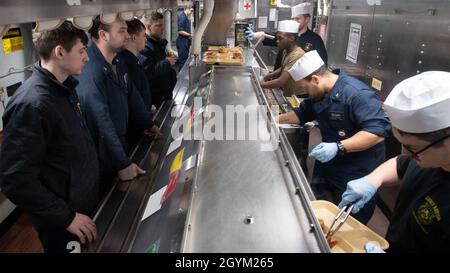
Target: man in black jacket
{"type": "Point", "coordinates": [48, 162]}
{"type": "Point", "coordinates": [157, 62]}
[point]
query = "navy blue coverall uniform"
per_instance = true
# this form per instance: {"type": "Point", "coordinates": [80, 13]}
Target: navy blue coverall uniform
{"type": "Point", "coordinates": [109, 106]}
{"type": "Point", "coordinates": [137, 80]}
{"type": "Point", "coordinates": [137, 76]}
{"type": "Point", "coordinates": [183, 42]}
{"type": "Point", "coordinates": [350, 107]}
{"type": "Point", "coordinates": [160, 74]}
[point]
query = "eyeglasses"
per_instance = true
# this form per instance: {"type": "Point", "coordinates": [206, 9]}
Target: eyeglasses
{"type": "Point", "coordinates": [416, 154]}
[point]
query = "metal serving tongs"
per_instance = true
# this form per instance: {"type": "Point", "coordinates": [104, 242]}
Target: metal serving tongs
{"type": "Point", "coordinates": [347, 209]}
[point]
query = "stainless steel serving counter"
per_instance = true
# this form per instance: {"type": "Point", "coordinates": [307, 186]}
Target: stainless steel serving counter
{"type": "Point", "coordinates": [237, 183]}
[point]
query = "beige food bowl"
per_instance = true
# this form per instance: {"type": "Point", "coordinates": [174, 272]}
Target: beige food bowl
{"type": "Point", "coordinates": [352, 236]}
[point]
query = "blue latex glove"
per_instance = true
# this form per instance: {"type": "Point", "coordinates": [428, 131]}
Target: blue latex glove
{"type": "Point", "coordinates": [325, 151]}
{"type": "Point", "coordinates": [359, 192]}
{"type": "Point", "coordinates": [371, 248]}
{"type": "Point", "coordinates": [249, 34]}
{"type": "Point", "coordinates": [261, 78]}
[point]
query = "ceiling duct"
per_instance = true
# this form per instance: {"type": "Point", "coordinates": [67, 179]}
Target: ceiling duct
{"type": "Point", "coordinates": [223, 17]}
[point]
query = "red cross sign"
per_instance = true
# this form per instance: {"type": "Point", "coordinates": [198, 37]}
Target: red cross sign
{"type": "Point", "coordinates": [247, 6]}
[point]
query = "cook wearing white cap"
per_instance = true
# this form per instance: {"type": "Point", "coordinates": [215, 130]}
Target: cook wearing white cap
{"type": "Point", "coordinates": [301, 9]}
{"type": "Point", "coordinates": [352, 123]}
{"type": "Point", "coordinates": [287, 31]}
{"type": "Point", "coordinates": [415, 102]}
{"type": "Point", "coordinates": [418, 108]}
{"type": "Point", "coordinates": [288, 26]}
{"type": "Point", "coordinates": [306, 39]}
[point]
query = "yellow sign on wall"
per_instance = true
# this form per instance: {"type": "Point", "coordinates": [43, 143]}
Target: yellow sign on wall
{"type": "Point", "coordinates": [376, 84]}
{"type": "Point", "coordinates": [12, 41]}
{"type": "Point", "coordinates": [273, 2]}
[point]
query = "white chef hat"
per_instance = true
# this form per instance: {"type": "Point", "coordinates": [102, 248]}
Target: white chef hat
{"type": "Point", "coordinates": [420, 104]}
{"type": "Point", "coordinates": [289, 26]}
{"type": "Point", "coordinates": [303, 8]}
{"type": "Point", "coordinates": [306, 65]}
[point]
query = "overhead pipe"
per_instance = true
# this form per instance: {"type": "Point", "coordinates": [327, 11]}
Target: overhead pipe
{"type": "Point", "coordinates": [198, 34]}
{"type": "Point", "coordinates": [223, 17]}
{"type": "Point", "coordinates": [168, 31]}
{"type": "Point", "coordinates": [326, 7]}
{"type": "Point", "coordinates": [319, 8]}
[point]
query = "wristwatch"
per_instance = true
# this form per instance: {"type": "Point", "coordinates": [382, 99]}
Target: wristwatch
{"type": "Point", "coordinates": [341, 148]}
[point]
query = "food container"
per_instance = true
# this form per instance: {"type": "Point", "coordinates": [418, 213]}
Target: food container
{"type": "Point", "coordinates": [240, 28]}
{"type": "Point", "coordinates": [294, 101]}
{"type": "Point", "coordinates": [352, 236]}
{"type": "Point", "coordinates": [224, 56]}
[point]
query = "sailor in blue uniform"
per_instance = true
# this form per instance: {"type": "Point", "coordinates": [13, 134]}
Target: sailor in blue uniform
{"type": "Point", "coordinates": [184, 35]}
{"type": "Point", "coordinates": [352, 123]}
{"type": "Point", "coordinates": [109, 105]}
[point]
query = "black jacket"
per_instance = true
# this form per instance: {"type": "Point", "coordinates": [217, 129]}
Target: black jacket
{"type": "Point", "coordinates": [48, 162]}
{"type": "Point", "coordinates": [137, 76]}
{"type": "Point", "coordinates": [160, 74]}
{"type": "Point", "coordinates": [140, 98]}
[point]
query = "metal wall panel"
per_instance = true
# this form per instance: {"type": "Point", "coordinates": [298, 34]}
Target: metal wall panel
{"type": "Point", "coordinates": [343, 14]}
{"type": "Point", "coordinates": [409, 37]}
{"type": "Point", "coordinates": [400, 38]}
